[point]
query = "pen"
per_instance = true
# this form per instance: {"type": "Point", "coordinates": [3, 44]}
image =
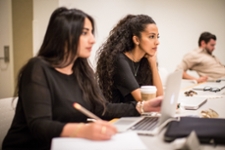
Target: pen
{"type": "Point", "coordinates": [85, 111]}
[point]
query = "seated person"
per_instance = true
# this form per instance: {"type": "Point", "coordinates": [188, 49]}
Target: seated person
{"type": "Point", "coordinates": [127, 60]}
{"type": "Point", "coordinates": [50, 83]}
{"type": "Point", "coordinates": [203, 61]}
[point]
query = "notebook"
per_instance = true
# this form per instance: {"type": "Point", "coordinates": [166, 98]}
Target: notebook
{"type": "Point", "coordinates": [192, 103]}
{"type": "Point", "coordinates": [208, 130]}
{"type": "Point", "coordinates": [153, 124]}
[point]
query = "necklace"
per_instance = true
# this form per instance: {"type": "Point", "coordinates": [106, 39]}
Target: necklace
{"type": "Point", "coordinates": [135, 65]}
{"type": "Point", "coordinates": [136, 68]}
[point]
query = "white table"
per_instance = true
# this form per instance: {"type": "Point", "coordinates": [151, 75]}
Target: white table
{"type": "Point", "coordinates": [217, 104]}
{"type": "Point", "coordinates": [157, 142]}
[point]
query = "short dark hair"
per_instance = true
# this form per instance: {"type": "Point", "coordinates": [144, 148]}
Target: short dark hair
{"type": "Point", "coordinates": [206, 37]}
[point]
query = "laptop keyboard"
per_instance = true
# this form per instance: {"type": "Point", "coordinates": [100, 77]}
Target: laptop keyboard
{"type": "Point", "coordinates": [148, 123]}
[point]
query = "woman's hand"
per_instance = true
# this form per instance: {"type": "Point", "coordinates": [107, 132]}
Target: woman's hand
{"type": "Point", "coordinates": [151, 58]}
{"type": "Point", "coordinates": [99, 130]}
{"type": "Point", "coordinates": [153, 104]}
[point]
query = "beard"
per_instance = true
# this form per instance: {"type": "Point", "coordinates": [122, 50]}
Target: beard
{"type": "Point", "coordinates": [208, 50]}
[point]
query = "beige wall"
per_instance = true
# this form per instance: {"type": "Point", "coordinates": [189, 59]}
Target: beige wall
{"type": "Point", "coordinates": [6, 69]}
{"type": "Point", "coordinates": [21, 23]}
{"type": "Point", "coordinates": [22, 15]}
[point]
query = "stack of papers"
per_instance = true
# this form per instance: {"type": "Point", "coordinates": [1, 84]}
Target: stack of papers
{"type": "Point", "coordinates": [121, 141]}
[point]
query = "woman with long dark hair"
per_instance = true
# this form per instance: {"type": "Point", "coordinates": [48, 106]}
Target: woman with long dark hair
{"type": "Point", "coordinates": [127, 60]}
{"type": "Point", "coordinates": [59, 76]}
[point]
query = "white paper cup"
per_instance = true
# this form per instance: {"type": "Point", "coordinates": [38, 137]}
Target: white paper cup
{"type": "Point", "coordinates": [148, 92]}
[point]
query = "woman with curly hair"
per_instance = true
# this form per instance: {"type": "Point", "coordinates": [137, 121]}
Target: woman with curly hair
{"type": "Point", "coordinates": [127, 60]}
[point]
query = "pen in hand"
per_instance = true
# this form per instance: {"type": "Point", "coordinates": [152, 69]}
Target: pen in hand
{"type": "Point", "coordinates": [85, 111]}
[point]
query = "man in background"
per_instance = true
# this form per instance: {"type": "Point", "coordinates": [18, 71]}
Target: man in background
{"type": "Point", "coordinates": [202, 61]}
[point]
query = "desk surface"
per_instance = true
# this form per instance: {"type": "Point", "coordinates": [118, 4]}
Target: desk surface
{"type": "Point", "coordinates": [217, 104]}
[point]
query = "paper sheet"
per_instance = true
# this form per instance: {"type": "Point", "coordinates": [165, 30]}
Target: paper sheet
{"type": "Point", "coordinates": [121, 141]}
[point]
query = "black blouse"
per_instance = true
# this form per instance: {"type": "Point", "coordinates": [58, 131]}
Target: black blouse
{"type": "Point", "coordinates": [45, 105]}
{"type": "Point", "coordinates": [126, 79]}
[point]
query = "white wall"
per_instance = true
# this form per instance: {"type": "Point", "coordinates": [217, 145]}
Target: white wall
{"type": "Point", "coordinates": [6, 69]}
{"type": "Point", "coordinates": [106, 14]}
{"type": "Point", "coordinates": [42, 10]}
{"type": "Point", "coordinates": [180, 23]}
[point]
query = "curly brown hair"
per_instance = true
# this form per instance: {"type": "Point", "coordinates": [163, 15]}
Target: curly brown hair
{"type": "Point", "coordinates": [120, 41]}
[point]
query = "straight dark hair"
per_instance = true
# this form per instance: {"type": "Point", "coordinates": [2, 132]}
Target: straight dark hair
{"type": "Point", "coordinates": [60, 47]}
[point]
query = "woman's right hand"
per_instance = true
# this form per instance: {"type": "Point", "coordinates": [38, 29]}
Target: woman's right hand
{"type": "Point", "coordinates": [99, 130]}
{"type": "Point", "coordinates": [153, 105]}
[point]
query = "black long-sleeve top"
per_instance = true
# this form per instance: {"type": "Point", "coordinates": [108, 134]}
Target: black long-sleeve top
{"type": "Point", "coordinates": [45, 105]}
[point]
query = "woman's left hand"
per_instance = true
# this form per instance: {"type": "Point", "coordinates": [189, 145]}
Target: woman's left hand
{"type": "Point", "coordinates": [151, 58]}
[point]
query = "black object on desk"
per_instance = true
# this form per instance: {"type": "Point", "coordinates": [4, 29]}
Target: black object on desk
{"type": "Point", "coordinates": [210, 131]}
{"type": "Point", "coordinates": [212, 87]}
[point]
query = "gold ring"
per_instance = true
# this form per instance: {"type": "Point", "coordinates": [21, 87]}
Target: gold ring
{"type": "Point", "coordinates": [209, 113]}
{"type": "Point", "coordinates": [103, 131]}
{"type": "Point", "coordinates": [213, 113]}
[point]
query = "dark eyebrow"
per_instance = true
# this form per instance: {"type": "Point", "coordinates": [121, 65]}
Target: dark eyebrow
{"type": "Point", "coordinates": [86, 29]}
{"type": "Point", "coordinates": [153, 33]}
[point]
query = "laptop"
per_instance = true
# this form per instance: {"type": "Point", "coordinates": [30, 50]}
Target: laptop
{"type": "Point", "coordinates": [192, 103]}
{"type": "Point", "coordinates": [151, 125]}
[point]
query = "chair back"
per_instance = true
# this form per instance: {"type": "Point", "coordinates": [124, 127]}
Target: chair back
{"type": "Point", "coordinates": [7, 111]}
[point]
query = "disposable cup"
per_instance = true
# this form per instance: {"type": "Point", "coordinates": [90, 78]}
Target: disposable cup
{"type": "Point", "coordinates": [148, 92]}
